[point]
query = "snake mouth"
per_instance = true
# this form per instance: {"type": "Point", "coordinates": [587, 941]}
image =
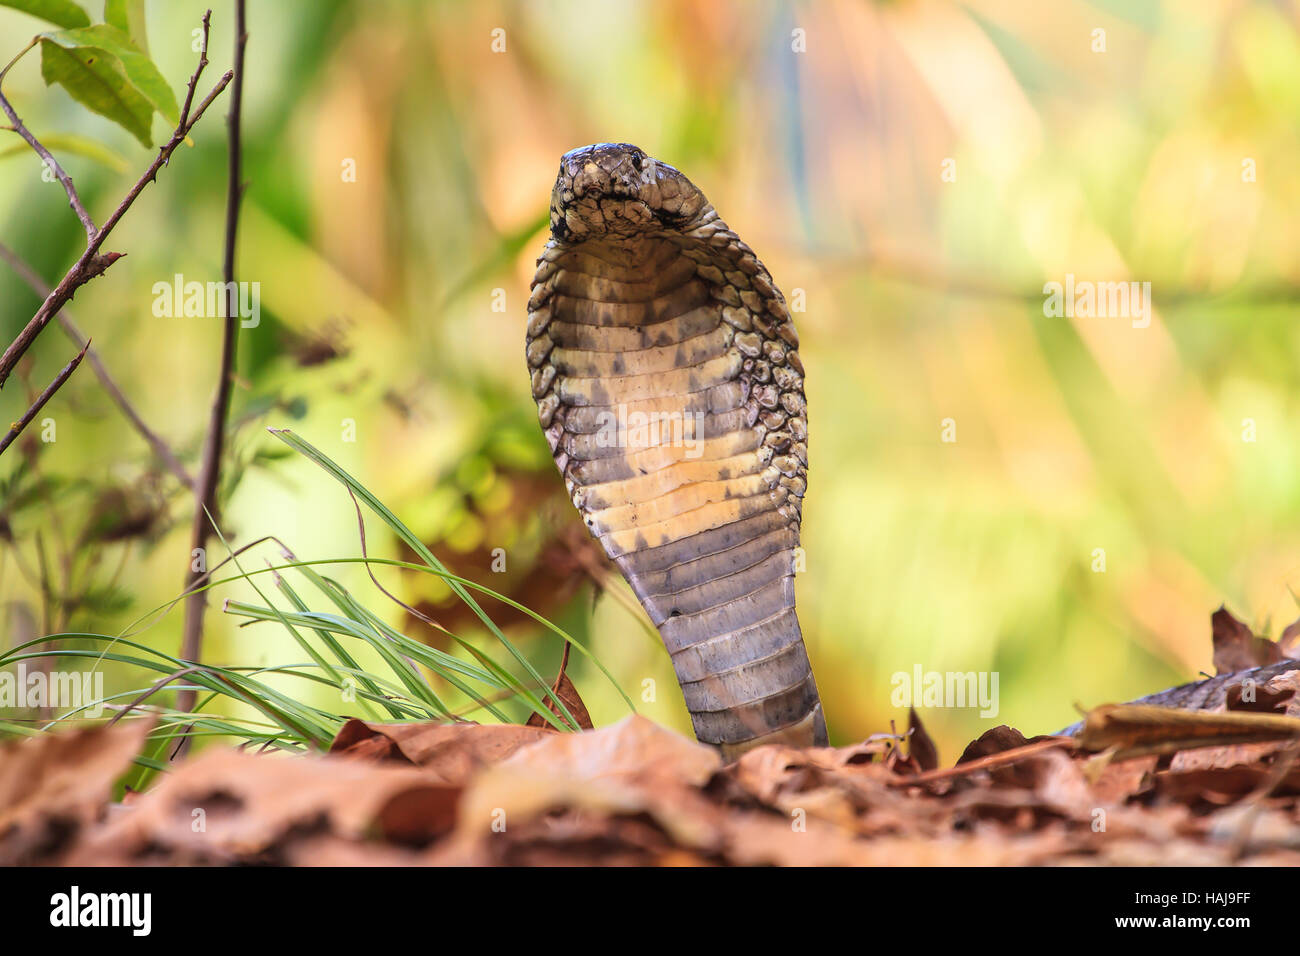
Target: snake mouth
{"type": "Point", "coordinates": [616, 190]}
{"type": "Point", "coordinates": [604, 169]}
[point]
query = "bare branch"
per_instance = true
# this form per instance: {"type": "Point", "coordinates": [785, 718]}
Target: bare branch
{"type": "Point", "coordinates": [65, 180]}
{"type": "Point", "coordinates": [198, 71]}
{"type": "Point", "coordinates": [160, 447]}
{"type": "Point", "coordinates": [17, 427]}
{"type": "Point", "coordinates": [92, 263]}
{"type": "Point", "coordinates": [207, 514]}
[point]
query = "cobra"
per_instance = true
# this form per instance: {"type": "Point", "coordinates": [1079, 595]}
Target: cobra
{"type": "Point", "coordinates": [667, 379]}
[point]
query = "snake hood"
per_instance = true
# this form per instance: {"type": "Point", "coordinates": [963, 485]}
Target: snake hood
{"type": "Point", "coordinates": [668, 382]}
{"type": "Point", "coordinates": [615, 189]}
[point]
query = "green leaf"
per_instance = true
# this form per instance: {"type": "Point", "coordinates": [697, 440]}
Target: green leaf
{"type": "Point", "coordinates": [97, 81]}
{"type": "Point", "coordinates": [128, 16]}
{"type": "Point", "coordinates": [77, 145]}
{"type": "Point", "coordinates": [138, 68]}
{"type": "Point", "coordinates": [63, 13]}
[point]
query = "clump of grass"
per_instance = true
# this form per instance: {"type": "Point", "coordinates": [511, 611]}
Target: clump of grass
{"type": "Point", "coordinates": [333, 641]}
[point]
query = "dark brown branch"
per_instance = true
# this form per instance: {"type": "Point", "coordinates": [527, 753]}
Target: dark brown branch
{"type": "Point", "coordinates": [92, 263]}
{"type": "Point", "coordinates": [160, 447]}
{"type": "Point", "coordinates": [65, 180]}
{"type": "Point", "coordinates": [17, 427]}
{"type": "Point", "coordinates": [207, 513]}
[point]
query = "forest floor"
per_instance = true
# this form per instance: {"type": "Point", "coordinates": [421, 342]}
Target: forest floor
{"type": "Point", "coordinates": [1138, 786]}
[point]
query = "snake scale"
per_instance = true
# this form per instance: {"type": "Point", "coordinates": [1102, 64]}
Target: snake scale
{"type": "Point", "coordinates": [665, 369]}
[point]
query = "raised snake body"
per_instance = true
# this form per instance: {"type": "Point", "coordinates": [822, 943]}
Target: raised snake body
{"type": "Point", "coordinates": [667, 381]}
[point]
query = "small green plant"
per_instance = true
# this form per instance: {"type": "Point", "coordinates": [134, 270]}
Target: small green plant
{"type": "Point", "coordinates": [332, 640]}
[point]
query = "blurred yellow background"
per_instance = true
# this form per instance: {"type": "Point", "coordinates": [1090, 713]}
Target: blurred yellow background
{"type": "Point", "coordinates": [918, 169]}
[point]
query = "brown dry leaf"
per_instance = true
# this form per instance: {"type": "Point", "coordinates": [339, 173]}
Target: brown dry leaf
{"type": "Point", "coordinates": [589, 830]}
{"type": "Point", "coordinates": [816, 783]}
{"type": "Point", "coordinates": [563, 689]}
{"type": "Point", "coordinates": [1261, 830]}
{"type": "Point", "coordinates": [772, 772]}
{"type": "Point", "coordinates": [1047, 845]}
{"type": "Point", "coordinates": [450, 753]}
{"type": "Point", "coordinates": [634, 748]}
{"type": "Point", "coordinates": [761, 839]}
{"type": "Point", "coordinates": [983, 848]}
{"type": "Point", "coordinates": [919, 745]}
{"type": "Point", "coordinates": [507, 806]}
{"type": "Point", "coordinates": [1222, 786]}
{"type": "Point", "coordinates": [1001, 739]}
{"type": "Point", "coordinates": [1031, 793]}
{"type": "Point", "coordinates": [1123, 780]}
{"type": "Point", "coordinates": [1236, 648]}
{"type": "Point", "coordinates": [633, 767]}
{"type": "Point", "coordinates": [54, 786]}
{"type": "Point", "coordinates": [1260, 700]}
{"type": "Point", "coordinates": [1060, 785]}
{"type": "Point", "coordinates": [227, 806]}
{"type": "Point", "coordinates": [326, 849]}
{"type": "Point", "coordinates": [1289, 640]}
{"type": "Point", "coordinates": [991, 742]}
{"type": "Point", "coordinates": [416, 816]}
{"type": "Point", "coordinates": [1216, 758]}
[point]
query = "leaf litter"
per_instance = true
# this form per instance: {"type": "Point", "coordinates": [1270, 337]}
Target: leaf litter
{"type": "Point", "coordinates": [1138, 785]}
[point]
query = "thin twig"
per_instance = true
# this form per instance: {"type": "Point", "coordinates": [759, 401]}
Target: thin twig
{"type": "Point", "coordinates": [365, 553]}
{"type": "Point", "coordinates": [157, 686]}
{"type": "Point", "coordinates": [92, 263]}
{"type": "Point", "coordinates": [207, 512]}
{"type": "Point", "coordinates": [361, 527]}
{"type": "Point", "coordinates": [17, 427]}
{"type": "Point", "coordinates": [160, 447]}
{"type": "Point", "coordinates": [51, 163]}
{"type": "Point", "coordinates": [198, 70]}
{"type": "Point", "coordinates": [1000, 759]}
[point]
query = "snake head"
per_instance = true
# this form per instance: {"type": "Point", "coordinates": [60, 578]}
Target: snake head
{"type": "Point", "coordinates": [613, 190]}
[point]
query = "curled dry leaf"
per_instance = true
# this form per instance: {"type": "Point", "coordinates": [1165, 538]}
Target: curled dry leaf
{"type": "Point", "coordinates": [56, 785]}
{"type": "Point", "coordinates": [920, 746]}
{"type": "Point", "coordinates": [762, 839]}
{"type": "Point", "coordinates": [1260, 700]}
{"type": "Point", "coordinates": [632, 749]}
{"type": "Point", "coordinates": [991, 742]}
{"type": "Point", "coordinates": [1208, 789]}
{"type": "Point", "coordinates": [568, 694]}
{"type": "Point", "coordinates": [1289, 640]}
{"type": "Point", "coordinates": [630, 768]}
{"type": "Point", "coordinates": [227, 806]}
{"type": "Point", "coordinates": [450, 753]}
{"type": "Point", "coordinates": [773, 774]}
{"type": "Point", "coordinates": [1236, 648]}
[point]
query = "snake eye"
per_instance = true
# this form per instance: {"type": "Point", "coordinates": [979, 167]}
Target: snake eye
{"type": "Point", "coordinates": [636, 162]}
